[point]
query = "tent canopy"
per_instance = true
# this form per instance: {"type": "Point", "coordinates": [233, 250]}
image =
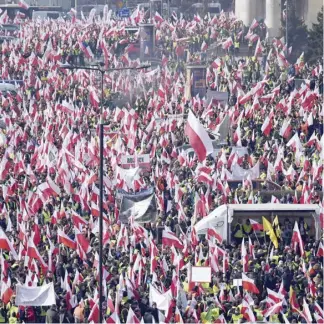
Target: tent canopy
{"type": "Point", "coordinates": [223, 215]}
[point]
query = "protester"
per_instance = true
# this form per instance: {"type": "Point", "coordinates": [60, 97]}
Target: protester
{"type": "Point", "coordinates": [49, 192]}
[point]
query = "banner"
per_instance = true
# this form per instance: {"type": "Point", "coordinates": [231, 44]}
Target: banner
{"type": "Point", "coordinates": [242, 174]}
{"type": "Point", "coordinates": [141, 206]}
{"type": "Point", "coordinates": [35, 296]}
{"type": "Point", "coordinates": [198, 86]}
{"type": "Point", "coordinates": [141, 195]}
{"type": "Point", "coordinates": [147, 41]}
{"type": "Point", "coordinates": [131, 161]}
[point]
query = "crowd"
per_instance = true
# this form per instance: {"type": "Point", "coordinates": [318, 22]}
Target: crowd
{"type": "Point", "coordinates": [49, 174]}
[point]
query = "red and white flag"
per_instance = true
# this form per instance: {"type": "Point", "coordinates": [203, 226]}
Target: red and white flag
{"type": "Point", "coordinates": [158, 17]}
{"type": "Point", "coordinates": [275, 296]}
{"type": "Point", "coordinates": [170, 239]}
{"type": "Point", "coordinates": [131, 317]}
{"type": "Point", "coordinates": [5, 244]}
{"type": "Point", "coordinates": [198, 137]}
{"type": "Point", "coordinates": [249, 285]}
{"type": "Point", "coordinates": [307, 313]}
{"type": "Point", "coordinates": [286, 128]}
{"type": "Point", "coordinates": [33, 252]}
{"type": "Point", "coordinates": [275, 309]}
{"type": "Point", "coordinates": [245, 257]}
{"type": "Point", "coordinates": [204, 46]}
{"type": "Point", "coordinates": [254, 24]}
{"type": "Point", "coordinates": [211, 232]}
{"type": "Point", "coordinates": [64, 239]}
{"type": "Point", "coordinates": [256, 226]}
{"type": "Point", "coordinates": [266, 127]}
{"type": "Point", "coordinates": [23, 4]}
{"type": "Point", "coordinates": [297, 240]}
{"type": "Point", "coordinates": [227, 43]}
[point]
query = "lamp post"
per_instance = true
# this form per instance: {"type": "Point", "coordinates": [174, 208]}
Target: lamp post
{"type": "Point", "coordinates": [98, 68]}
{"type": "Point", "coordinates": [286, 28]}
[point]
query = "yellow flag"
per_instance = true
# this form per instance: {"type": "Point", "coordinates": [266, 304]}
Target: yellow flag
{"type": "Point", "coordinates": [269, 230]}
{"type": "Point", "coordinates": [276, 227]}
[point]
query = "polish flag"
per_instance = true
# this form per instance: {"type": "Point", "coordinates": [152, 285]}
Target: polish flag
{"type": "Point", "coordinates": [274, 309]}
{"type": "Point", "coordinates": [82, 241]}
{"type": "Point", "coordinates": [131, 317]}
{"type": "Point", "coordinates": [318, 309]}
{"type": "Point", "coordinates": [158, 17]}
{"type": "Point", "coordinates": [276, 297]}
{"type": "Point", "coordinates": [23, 4]}
{"type": "Point", "coordinates": [198, 137]}
{"type": "Point", "coordinates": [249, 285]}
{"type": "Point", "coordinates": [170, 239]}
{"type": "Point", "coordinates": [216, 64]}
{"type": "Point", "coordinates": [266, 127]}
{"type": "Point", "coordinates": [78, 221]}
{"type": "Point", "coordinates": [297, 240]}
{"type": "Point", "coordinates": [113, 319]}
{"type": "Point", "coordinates": [94, 209]}
{"type": "Point", "coordinates": [33, 253]}
{"type": "Point", "coordinates": [254, 24]}
{"type": "Point", "coordinates": [249, 315]}
{"type": "Point", "coordinates": [5, 244]}
{"type": "Point", "coordinates": [286, 128]}
{"type": "Point", "coordinates": [204, 46]}
{"type": "Point", "coordinates": [258, 48]}
{"type": "Point", "coordinates": [211, 232]}
{"type": "Point", "coordinates": [306, 312]}
{"type": "Point", "coordinates": [320, 251]}
{"type": "Point", "coordinates": [6, 291]}
{"type": "Point", "coordinates": [64, 239]}
{"type": "Point", "coordinates": [228, 43]}
{"type": "Point", "coordinates": [251, 248]}
{"type": "Point", "coordinates": [245, 257]}
{"type": "Point", "coordinates": [256, 226]}
{"type": "Point", "coordinates": [161, 92]}
{"type": "Point", "coordinates": [94, 314]}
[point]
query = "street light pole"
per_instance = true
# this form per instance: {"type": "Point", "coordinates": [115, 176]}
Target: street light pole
{"type": "Point", "coordinates": [101, 164]}
{"type": "Point", "coordinates": [286, 28]}
{"type": "Point", "coordinates": [101, 193]}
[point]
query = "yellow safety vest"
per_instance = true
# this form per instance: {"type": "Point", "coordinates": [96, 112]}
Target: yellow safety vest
{"type": "Point", "coordinates": [239, 233]}
{"type": "Point", "coordinates": [236, 318]}
{"type": "Point", "coordinates": [12, 320]}
{"type": "Point", "coordinates": [247, 228]}
{"type": "Point", "coordinates": [13, 309]}
{"type": "Point", "coordinates": [2, 319]}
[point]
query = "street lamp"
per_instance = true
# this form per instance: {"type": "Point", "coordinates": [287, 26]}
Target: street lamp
{"type": "Point", "coordinates": [101, 171]}
{"type": "Point", "coordinates": [287, 28]}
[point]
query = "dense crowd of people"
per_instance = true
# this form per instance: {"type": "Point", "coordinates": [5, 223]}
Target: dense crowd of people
{"type": "Point", "coordinates": [49, 192]}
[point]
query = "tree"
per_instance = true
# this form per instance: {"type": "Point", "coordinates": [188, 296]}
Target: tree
{"type": "Point", "coordinates": [297, 31]}
{"type": "Point", "coordinates": [315, 40]}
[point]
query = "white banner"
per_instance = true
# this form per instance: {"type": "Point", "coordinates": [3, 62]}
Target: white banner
{"type": "Point", "coordinates": [35, 296]}
{"type": "Point", "coordinates": [241, 174]}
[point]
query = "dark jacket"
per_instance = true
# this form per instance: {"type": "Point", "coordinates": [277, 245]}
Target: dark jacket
{"type": "Point", "coordinates": [52, 315]}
